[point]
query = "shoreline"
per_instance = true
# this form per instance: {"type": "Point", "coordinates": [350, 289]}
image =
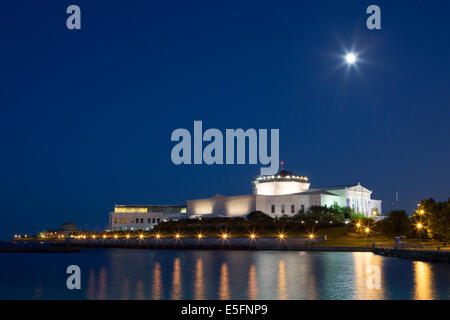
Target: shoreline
{"type": "Point", "coordinates": [421, 255]}
{"type": "Point", "coordinates": [287, 244]}
{"type": "Point", "coordinates": [37, 249]}
{"type": "Point", "coordinates": [238, 244]}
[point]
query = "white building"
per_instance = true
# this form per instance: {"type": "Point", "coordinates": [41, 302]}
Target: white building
{"type": "Point", "coordinates": [285, 194]}
{"type": "Point", "coordinates": [142, 217]}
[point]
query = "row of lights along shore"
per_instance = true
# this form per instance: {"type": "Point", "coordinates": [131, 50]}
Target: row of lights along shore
{"type": "Point", "coordinates": [199, 236]}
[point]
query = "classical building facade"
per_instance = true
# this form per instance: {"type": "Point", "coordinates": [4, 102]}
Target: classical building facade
{"type": "Point", "coordinates": [286, 194]}
{"type": "Point", "coordinates": [142, 217]}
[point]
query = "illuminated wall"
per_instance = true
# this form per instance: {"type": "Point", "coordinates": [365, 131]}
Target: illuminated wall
{"type": "Point", "coordinates": [280, 187]}
{"type": "Point", "coordinates": [221, 205]}
{"type": "Point", "coordinates": [265, 203]}
{"type": "Point", "coordinates": [200, 206]}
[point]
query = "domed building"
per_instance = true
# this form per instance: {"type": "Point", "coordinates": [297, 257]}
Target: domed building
{"type": "Point", "coordinates": [284, 182]}
{"type": "Point", "coordinates": [285, 193]}
{"type": "Point", "coordinates": [66, 230]}
{"type": "Point", "coordinates": [69, 227]}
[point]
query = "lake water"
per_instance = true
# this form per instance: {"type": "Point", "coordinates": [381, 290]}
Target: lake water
{"type": "Point", "coordinates": [189, 274]}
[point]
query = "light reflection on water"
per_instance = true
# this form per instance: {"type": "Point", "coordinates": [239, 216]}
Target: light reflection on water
{"type": "Point", "coordinates": [199, 290]}
{"type": "Point", "coordinates": [157, 282]}
{"type": "Point", "coordinates": [252, 283]}
{"type": "Point", "coordinates": [423, 281]}
{"type": "Point", "coordinates": [363, 286]}
{"type": "Point", "coordinates": [176, 282]}
{"type": "Point", "coordinates": [282, 295]}
{"type": "Point", "coordinates": [190, 274]}
{"type": "Point", "coordinates": [224, 290]}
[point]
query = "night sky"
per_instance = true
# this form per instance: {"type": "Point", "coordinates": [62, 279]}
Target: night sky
{"type": "Point", "coordinates": [86, 116]}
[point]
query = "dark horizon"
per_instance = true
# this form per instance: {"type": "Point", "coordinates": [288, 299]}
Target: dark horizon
{"type": "Point", "coordinates": [87, 114]}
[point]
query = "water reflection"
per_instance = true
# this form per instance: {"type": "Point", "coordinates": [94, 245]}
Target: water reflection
{"type": "Point", "coordinates": [199, 293]}
{"type": "Point", "coordinates": [224, 290]}
{"type": "Point", "coordinates": [91, 285]}
{"type": "Point", "coordinates": [252, 283]}
{"type": "Point", "coordinates": [125, 289]}
{"type": "Point", "coordinates": [368, 276]}
{"type": "Point", "coordinates": [306, 276]}
{"type": "Point", "coordinates": [423, 281]}
{"type": "Point", "coordinates": [140, 290]}
{"type": "Point", "coordinates": [157, 282]}
{"type": "Point", "coordinates": [102, 286]}
{"type": "Point", "coordinates": [176, 280]}
{"type": "Point", "coordinates": [176, 274]}
{"type": "Point", "coordinates": [282, 295]}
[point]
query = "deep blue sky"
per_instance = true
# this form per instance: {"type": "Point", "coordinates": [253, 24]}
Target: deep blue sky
{"type": "Point", "coordinates": [86, 116]}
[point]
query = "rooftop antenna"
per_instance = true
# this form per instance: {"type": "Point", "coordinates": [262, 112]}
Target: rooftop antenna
{"type": "Point", "coordinates": [396, 200]}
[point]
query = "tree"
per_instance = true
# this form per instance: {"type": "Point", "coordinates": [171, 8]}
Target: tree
{"type": "Point", "coordinates": [258, 215]}
{"type": "Point", "coordinates": [438, 215]}
{"type": "Point", "coordinates": [397, 223]}
{"type": "Point", "coordinates": [323, 214]}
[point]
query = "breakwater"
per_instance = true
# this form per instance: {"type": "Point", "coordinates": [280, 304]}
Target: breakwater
{"type": "Point", "coordinates": [35, 249]}
{"type": "Point", "coordinates": [195, 243]}
{"type": "Point", "coordinates": [422, 255]}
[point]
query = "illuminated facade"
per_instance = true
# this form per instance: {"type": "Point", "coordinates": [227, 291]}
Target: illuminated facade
{"type": "Point", "coordinates": [145, 217]}
{"type": "Point", "coordinates": [286, 194]}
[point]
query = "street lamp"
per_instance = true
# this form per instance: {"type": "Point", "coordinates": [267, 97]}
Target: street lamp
{"type": "Point", "coordinates": [358, 226]}
{"type": "Point", "coordinates": [420, 226]}
{"type": "Point", "coordinates": [367, 230]}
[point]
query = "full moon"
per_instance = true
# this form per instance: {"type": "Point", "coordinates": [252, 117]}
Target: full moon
{"type": "Point", "coordinates": [350, 58]}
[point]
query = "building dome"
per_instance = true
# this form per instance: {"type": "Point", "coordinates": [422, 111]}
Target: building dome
{"type": "Point", "coordinates": [284, 182]}
{"type": "Point", "coordinates": [69, 226]}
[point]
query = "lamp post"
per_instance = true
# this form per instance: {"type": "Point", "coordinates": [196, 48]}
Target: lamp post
{"type": "Point", "coordinates": [420, 226]}
{"type": "Point", "coordinates": [358, 226]}
{"type": "Point", "coordinates": [367, 230]}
